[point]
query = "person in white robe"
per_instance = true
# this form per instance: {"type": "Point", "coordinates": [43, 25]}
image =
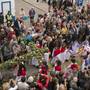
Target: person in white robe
{"type": "Point", "coordinates": [35, 61]}
{"type": "Point", "coordinates": [64, 56]}
{"type": "Point", "coordinates": [46, 56]}
{"type": "Point", "coordinates": [75, 48]}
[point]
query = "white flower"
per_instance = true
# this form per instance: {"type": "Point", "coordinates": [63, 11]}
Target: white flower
{"type": "Point", "coordinates": [30, 79]}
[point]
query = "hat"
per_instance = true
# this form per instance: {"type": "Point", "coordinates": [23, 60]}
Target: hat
{"type": "Point", "coordinates": [30, 79]}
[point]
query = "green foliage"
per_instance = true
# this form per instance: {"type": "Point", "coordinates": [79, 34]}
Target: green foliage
{"type": "Point", "coordinates": [35, 52]}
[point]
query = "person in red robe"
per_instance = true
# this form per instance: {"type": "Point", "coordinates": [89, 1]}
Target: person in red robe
{"type": "Point", "coordinates": [43, 82]}
{"type": "Point", "coordinates": [58, 67]}
{"type": "Point", "coordinates": [10, 33]}
{"type": "Point", "coordinates": [23, 72]}
{"type": "Point", "coordinates": [73, 66]}
{"type": "Point", "coordinates": [44, 68]}
{"type": "Point", "coordinates": [58, 51]}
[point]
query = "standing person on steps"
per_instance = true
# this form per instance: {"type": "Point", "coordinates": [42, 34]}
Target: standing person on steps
{"type": "Point", "coordinates": [31, 15]}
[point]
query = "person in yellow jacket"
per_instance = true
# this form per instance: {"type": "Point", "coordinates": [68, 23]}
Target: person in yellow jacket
{"type": "Point", "coordinates": [64, 29]}
{"type": "Point", "coordinates": [9, 18]}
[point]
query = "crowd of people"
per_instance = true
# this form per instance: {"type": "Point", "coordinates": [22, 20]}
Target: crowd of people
{"type": "Point", "coordinates": [65, 31]}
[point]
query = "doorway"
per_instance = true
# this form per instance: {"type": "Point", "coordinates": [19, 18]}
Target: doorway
{"type": "Point", "coordinates": [6, 6]}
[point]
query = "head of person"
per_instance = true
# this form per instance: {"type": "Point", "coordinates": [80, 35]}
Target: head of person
{"type": "Point", "coordinates": [44, 63]}
{"type": "Point", "coordinates": [23, 79]}
{"type": "Point", "coordinates": [30, 79]}
{"type": "Point", "coordinates": [32, 8]}
{"type": "Point", "coordinates": [75, 79]}
{"type": "Point", "coordinates": [73, 60]}
{"type": "Point", "coordinates": [12, 84]}
{"type": "Point", "coordinates": [1, 13]}
{"type": "Point", "coordinates": [88, 70]}
{"type": "Point", "coordinates": [54, 83]}
{"type": "Point", "coordinates": [11, 29]}
{"type": "Point", "coordinates": [58, 62]}
{"type": "Point", "coordinates": [22, 9]}
{"type": "Point", "coordinates": [37, 42]}
{"type": "Point", "coordinates": [42, 79]}
{"type": "Point", "coordinates": [14, 37]}
{"type": "Point", "coordinates": [9, 12]}
{"type": "Point", "coordinates": [18, 18]}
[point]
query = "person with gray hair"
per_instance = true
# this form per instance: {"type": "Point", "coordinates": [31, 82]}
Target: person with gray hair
{"type": "Point", "coordinates": [22, 85]}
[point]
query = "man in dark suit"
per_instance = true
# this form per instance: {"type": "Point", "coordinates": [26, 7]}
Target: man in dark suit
{"type": "Point", "coordinates": [17, 26]}
{"type": "Point", "coordinates": [1, 18]}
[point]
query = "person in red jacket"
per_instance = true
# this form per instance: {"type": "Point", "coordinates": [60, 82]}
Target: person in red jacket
{"type": "Point", "coordinates": [22, 70]}
{"type": "Point", "coordinates": [58, 51]}
{"type": "Point", "coordinates": [58, 67]}
{"type": "Point", "coordinates": [44, 68]}
{"type": "Point", "coordinates": [43, 82]}
{"type": "Point", "coordinates": [73, 66]}
{"type": "Point", "coordinates": [38, 45]}
{"type": "Point", "coordinates": [11, 33]}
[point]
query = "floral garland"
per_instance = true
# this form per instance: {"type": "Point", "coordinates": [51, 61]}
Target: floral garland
{"type": "Point", "coordinates": [35, 52]}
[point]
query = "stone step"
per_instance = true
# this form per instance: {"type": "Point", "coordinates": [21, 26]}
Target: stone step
{"type": "Point", "coordinates": [40, 5]}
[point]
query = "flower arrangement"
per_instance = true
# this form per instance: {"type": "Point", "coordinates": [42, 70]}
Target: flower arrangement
{"type": "Point", "coordinates": [35, 52]}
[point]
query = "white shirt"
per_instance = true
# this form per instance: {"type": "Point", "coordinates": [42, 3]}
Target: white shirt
{"type": "Point", "coordinates": [23, 86]}
{"type": "Point", "coordinates": [14, 88]}
{"type": "Point", "coordinates": [46, 56]}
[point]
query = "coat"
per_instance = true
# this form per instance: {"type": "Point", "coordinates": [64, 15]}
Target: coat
{"type": "Point", "coordinates": [17, 27]}
{"type": "Point", "coordinates": [1, 19]}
